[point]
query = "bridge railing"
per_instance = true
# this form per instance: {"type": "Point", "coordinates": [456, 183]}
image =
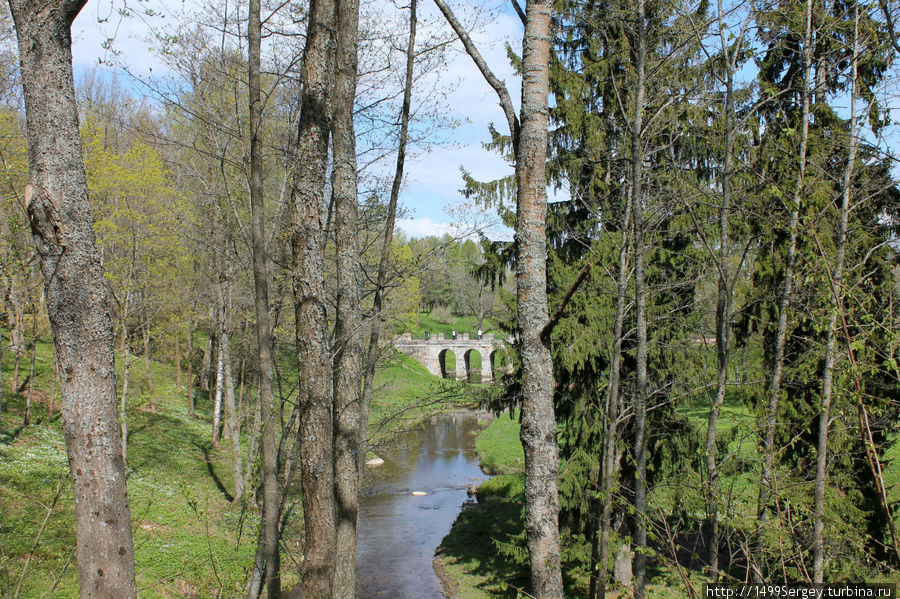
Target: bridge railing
{"type": "Point", "coordinates": [458, 337]}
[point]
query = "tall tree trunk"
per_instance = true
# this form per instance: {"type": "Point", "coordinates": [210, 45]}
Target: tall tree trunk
{"type": "Point", "coordinates": [640, 297]}
{"type": "Point", "coordinates": [538, 431]}
{"type": "Point", "coordinates": [837, 297]}
{"type": "Point", "coordinates": [612, 409]}
{"type": "Point", "coordinates": [267, 567]}
{"type": "Point", "coordinates": [724, 300]}
{"type": "Point", "coordinates": [381, 279]}
{"type": "Point", "coordinates": [190, 367]}
{"type": "Point", "coordinates": [147, 363]}
{"type": "Point", "coordinates": [206, 366]}
{"type": "Point", "coordinates": [31, 369]}
{"type": "Point", "coordinates": [784, 300]}
{"type": "Point", "coordinates": [232, 426]}
{"type": "Point", "coordinates": [219, 388]}
{"type": "Point", "coordinates": [62, 227]}
{"type": "Point", "coordinates": [177, 359]}
{"type": "Point", "coordinates": [313, 351]}
{"type": "Point", "coordinates": [126, 360]}
{"type": "Point", "coordinates": [349, 450]}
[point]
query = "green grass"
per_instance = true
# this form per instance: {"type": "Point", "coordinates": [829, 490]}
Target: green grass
{"type": "Point", "coordinates": [499, 448]}
{"type": "Point", "coordinates": [460, 324]}
{"type": "Point", "coordinates": [406, 393]}
{"type": "Point", "coordinates": [190, 540]}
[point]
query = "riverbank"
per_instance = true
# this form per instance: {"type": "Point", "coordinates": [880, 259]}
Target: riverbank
{"type": "Point", "coordinates": [190, 539]}
{"type": "Point", "coordinates": [480, 558]}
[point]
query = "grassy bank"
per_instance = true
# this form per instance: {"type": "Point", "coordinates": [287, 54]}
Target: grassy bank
{"type": "Point", "coordinates": [485, 554]}
{"type": "Point", "coordinates": [190, 539]}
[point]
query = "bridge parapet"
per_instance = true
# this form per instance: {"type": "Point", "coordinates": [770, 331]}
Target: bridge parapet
{"type": "Point", "coordinates": [432, 352]}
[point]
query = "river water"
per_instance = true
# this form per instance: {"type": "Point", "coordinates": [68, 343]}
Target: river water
{"type": "Point", "coordinates": [399, 531]}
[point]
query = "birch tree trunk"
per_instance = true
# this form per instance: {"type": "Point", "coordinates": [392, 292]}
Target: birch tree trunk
{"type": "Point", "coordinates": [62, 227]}
{"type": "Point", "coordinates": [219, 388]}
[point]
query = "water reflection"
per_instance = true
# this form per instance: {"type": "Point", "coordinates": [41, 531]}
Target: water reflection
{"type": "Point", "coordinates": [399, 531]}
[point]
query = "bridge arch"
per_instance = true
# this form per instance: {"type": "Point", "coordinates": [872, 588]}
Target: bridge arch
{"type": "Point", "coordinates": [448, 368]}
{"type": "Point", "coordinates": [474, 362]}
{"type": "Point", "coordinates": [462, 357]}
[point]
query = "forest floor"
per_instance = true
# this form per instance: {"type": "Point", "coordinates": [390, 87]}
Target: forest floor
{"type": "Point", "coordinates": [190, 539]}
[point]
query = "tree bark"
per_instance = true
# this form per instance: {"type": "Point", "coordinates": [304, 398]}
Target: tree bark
{"type": "Point", "coordinates": [640, 296]}
{"type": "Point", "coordinates": [837, 296]}
{"type": "Point", "coordinates": [784, 301]}
{"type": "Point", "coordinates": [612, 409]}
{"type": "Point", "coordinates": [313, 351]}
{"type": "Point", "coordinates": [53, 384]}
{"type": "Point", "coordinates": [190, 367]}
{"type": "Point", "coordinates": [206, 366]}
{"type": "Point", "coordinates": [232, 422]}
{"type": "Point", "coordinates": [538, 432]}
{"type": "Point", "coordinates": [349, 449]}
{"type": "Point", "coordinates": [126, 359]}
{"type": "Point", "coordinates": [62, 228]}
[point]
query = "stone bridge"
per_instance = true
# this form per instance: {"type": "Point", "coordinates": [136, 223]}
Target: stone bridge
{"type": "Point", "coordinates": [432, 353]}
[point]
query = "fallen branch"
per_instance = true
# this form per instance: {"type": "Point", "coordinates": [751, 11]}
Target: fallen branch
{"type": "Point", "coordinates": [545, 333]}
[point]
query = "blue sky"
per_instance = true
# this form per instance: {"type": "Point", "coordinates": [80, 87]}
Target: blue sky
{"type": "Point", "coordinates": [430, 197]}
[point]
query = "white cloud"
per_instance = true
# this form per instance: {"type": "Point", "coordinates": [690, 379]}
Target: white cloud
{"type": "Point", "coordinates": [434, 181]}
{"type": "Point", "coordinates": [425, 227]}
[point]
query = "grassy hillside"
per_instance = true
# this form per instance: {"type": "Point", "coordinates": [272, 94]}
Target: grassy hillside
{"type": "Point", "coordinates": [190, 539]}
{"type": "Point", "coordinates": [462, 324]}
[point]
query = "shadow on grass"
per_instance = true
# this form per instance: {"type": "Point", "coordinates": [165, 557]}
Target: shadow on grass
{"type": "Point", "coordinates": [472, 544]}
{"type": "Point", "coordinates": [212, 471]}
{"type": "Point", "coordinates": [9, 437]}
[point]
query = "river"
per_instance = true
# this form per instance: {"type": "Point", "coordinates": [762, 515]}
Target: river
{"type": "Point", "coordinates": [399, 531]}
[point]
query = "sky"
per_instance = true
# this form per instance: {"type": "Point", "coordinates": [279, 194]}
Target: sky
{"type": "Point", "coordinates": [430, 198]}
